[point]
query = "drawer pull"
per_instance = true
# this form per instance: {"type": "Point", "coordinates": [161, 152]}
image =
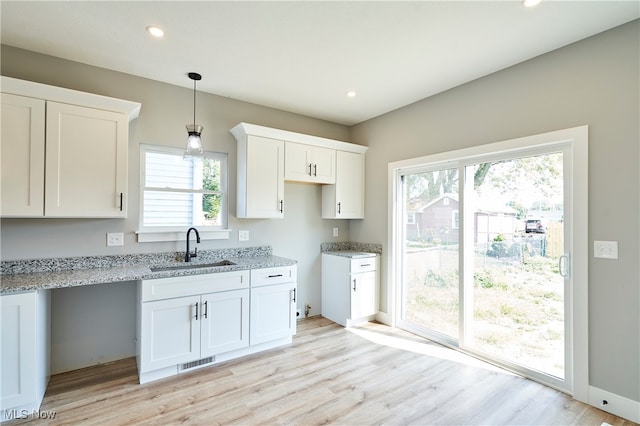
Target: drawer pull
{"type": "Point", "coordinates": [354, 284]}
{"type": "Point", "coordinates": [365, 264]}
{"type": "Point", "coordinates": [275, 276]}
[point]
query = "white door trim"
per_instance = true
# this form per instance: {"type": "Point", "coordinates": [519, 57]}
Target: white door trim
{"type": "Point", "coordinates": [578, 137]}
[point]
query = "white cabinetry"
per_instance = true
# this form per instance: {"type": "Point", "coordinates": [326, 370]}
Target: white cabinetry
{"type": "Point", "coordinates": [345, 199]}
{"type": "Point", "coordinates": [307, 163]}
{"type": "Point", "coordinates": [273, 303]}
{"type": "Point", "coordinates": [86, 162]}
{"type": "Point", "coordinates": [339, 166]}
{"type": "Point", "coordinates": [349, 288]}
{"type": "Point", "coordinates": [22, 156]}
{"type": "Point", "coordinates": [198, 320]}
{"type": "Point", "coordinates": [260, 177]}
{"type": "Point", "coordinates": [70, 161]}
{"type": "Point", "coordinates": [188, 319]}
{"type": "Point", "coordinates": [24, 352]}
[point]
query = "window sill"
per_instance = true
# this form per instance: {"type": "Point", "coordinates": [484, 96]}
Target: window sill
{"type": "Point", "coordinates": [153, 236]}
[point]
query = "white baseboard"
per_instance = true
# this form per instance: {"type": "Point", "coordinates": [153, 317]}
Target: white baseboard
{"type": "Point", "coordinates": [615, 404]}
{"type": "Point", "coordinates": [384, 318]}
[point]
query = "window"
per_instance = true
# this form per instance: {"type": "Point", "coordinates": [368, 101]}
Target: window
{"type": "Point", "coordinates": [177, 193]}
{"type": "Point", "coordinates": [411, 218]}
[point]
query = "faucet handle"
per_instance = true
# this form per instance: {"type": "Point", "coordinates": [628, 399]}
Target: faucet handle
{"type": "Point", "coordinates": [195, 252]}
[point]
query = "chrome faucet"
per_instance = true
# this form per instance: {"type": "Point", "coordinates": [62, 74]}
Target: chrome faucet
{"type": "Point", "coordinates": [188, 255]}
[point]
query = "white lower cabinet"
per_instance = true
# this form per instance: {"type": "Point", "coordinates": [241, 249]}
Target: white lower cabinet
{"type": "Point", "coordinates": [225, 326]}
{"type": "Point", "coordinates": [24, 352]}
{"type": "Point", "coordinates": [193, 321]}
{"type": "Point", "coordinates": [349, 288]}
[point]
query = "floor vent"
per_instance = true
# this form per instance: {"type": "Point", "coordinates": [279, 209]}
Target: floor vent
{"type": "Point", "coordinates": [197, 363]}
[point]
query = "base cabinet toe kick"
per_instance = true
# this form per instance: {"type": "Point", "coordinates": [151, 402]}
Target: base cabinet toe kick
{"type": "Point", "coordinates": [190, 322]}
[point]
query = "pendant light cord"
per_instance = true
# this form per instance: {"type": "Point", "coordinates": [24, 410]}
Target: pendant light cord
{"type": "Point", "coordinates": [194, 103]}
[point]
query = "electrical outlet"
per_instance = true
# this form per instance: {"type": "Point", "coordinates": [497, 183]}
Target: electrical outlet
{"type": "Point", "coordinates": [243, 235]}
{"type": "Point", "coordinates": [336, 231]}
{"type": "Point", "coordinates": [115, 239]}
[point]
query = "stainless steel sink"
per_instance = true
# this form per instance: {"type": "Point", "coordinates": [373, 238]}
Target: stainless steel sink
{"type": "Point", "coordinates": [187, 265]}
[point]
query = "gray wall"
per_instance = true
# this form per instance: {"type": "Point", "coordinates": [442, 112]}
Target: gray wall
{"type": "Point", "coordinates": [593, 82]}
{"type": "Point", "coordinates": [165, 111]}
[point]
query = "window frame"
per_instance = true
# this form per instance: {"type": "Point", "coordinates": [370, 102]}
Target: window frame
{"type": "Point", "coordinates": [177, 233]}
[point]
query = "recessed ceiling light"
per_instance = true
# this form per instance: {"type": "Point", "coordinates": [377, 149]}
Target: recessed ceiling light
{"type": "Point", "coordinates": [530, 3]}
{"type": "Point", "coordinates": [155, 31]}
{"type": "Point", "coordinates": [350, 94]}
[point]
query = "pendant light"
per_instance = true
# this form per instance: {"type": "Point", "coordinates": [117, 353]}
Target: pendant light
{"type": "Point", "coordinates": [194, 143]}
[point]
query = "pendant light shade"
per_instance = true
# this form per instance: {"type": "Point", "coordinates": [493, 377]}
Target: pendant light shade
{"type": "Point", "coordinates": [194, 143]}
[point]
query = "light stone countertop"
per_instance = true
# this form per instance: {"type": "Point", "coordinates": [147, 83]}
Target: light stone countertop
{"type": "Point", "coordinates": [25, 276]}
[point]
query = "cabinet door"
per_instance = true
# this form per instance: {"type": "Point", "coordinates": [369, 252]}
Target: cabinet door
{"type": "Point", "coordinates": [86, 162]}
{"type": "Point", "coordinates": [22, 156]}
{"type": "Point", "coordinates": [298, 163]}
{"type": "Point", "coordinates": [170, 332]}
{"type": "Point", "coordinates": [324, 165]}
{"type": "Point", "coordinates": [225, 322]}
{"type": "Point", "coordinates": [363, 295]}
{"type": "Point", "coordinates": [273, 312]}
{"type": "Point", "coordinates": [18, 350]}
{"type": "Point", "coordinates": [345, 199]}
{"type": "Point", "coordinates": [264, 197]}
{"type": "Point", "coordinates": [306, 163]}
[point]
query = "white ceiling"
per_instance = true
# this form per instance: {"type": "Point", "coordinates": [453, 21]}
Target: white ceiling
{"type": "Point", "coordinates": [303, 56]}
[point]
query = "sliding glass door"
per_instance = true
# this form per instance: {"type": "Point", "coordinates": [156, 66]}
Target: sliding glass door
{"type": "Point", "coordinates": [483, 257]}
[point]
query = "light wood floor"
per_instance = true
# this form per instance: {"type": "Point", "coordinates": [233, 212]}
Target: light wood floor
{"type": "Point", "coordinates": [329, 375]}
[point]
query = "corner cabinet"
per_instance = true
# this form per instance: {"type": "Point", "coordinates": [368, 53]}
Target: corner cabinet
{"type": "Point", "coordinates": [64, 153]}
{"type": "Point", "coordinates": [24, 352]}
{"type": "Point", "coordinates": [338, 166]}
{"type": "Point", "coordinates": [193, 321]}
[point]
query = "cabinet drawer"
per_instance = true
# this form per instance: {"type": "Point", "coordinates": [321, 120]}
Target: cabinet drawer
{"type": "Point", "coordinates": [167, 288]}
{"type": "Point", "coordinates": [364, 264]}
{"type": "Point", "coordinates": [269, 276]}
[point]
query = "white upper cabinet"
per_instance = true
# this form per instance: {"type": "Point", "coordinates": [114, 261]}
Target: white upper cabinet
{"type": "Point", "coordinates": [307, 163]}
{"type": "Point", "coordinates": [86, 162]}
{"type": "Point", "coordinates": [64, 153]}
{"type": "Point", "coordinates": [339, 166]}
{"type": "Point", "coordinates": [345, 199]}
{"type": "Point", "coordinates": [22, 156]}
{"type": "Point", "coordinates": [260, 178]}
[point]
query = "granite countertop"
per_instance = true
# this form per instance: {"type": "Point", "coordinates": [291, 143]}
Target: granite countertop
{"type": "Point", "coordinates": [30, 275]}
{"type": "Point", "coordinates": [351, 249]}
{"type": "Point", "coordinates": [350, 254]}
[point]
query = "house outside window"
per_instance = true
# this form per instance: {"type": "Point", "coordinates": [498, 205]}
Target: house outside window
{"type": "Point", "coordinates": [177, 192]}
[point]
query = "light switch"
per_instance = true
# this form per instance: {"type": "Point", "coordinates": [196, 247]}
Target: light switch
{"type": "Point", "coordinates": [335, 232]}
{"type": "Point", "coordinates": [605, 249]}
{"type": "Point", "coordinates": [115, 239]}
